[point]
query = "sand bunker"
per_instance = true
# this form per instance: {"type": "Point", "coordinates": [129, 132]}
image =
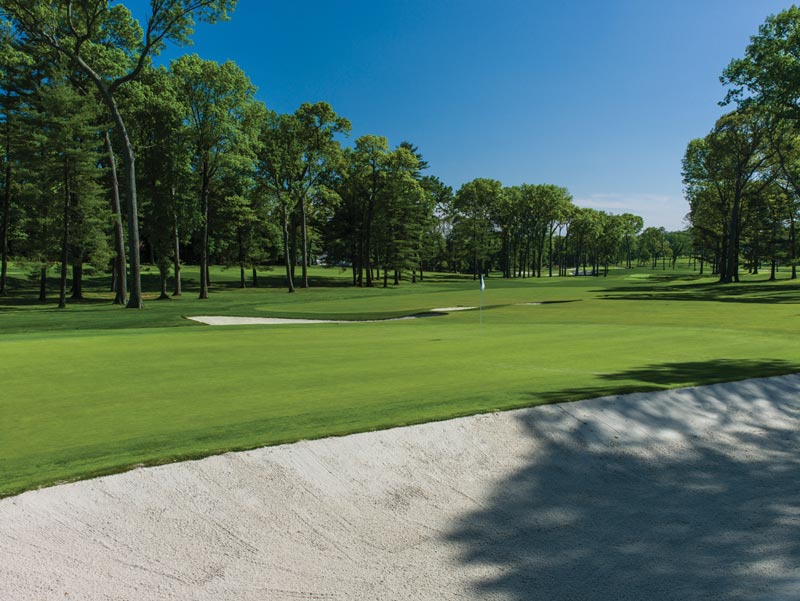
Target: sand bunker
{"type": "Point", "coordinates": [684, 494]}
{"type": "Point", "coordinates": [225, 320]}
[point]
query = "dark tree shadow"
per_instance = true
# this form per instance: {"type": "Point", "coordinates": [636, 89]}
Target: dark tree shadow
{"type": "Point", "coordinates": [595, 514]}
{"type": "Point", "coordinates": [749, 292]}
{"type": "Point", "coordinates": [672, 375]}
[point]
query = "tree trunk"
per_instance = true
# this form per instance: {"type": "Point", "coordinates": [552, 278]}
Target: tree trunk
{"type": "Point", "coordinates": [77, 255]}
{"type": "Point", "coordinates": [242, 281]}
{"type": "Point", "coordinates": [368, 241]}
{"type": "Point", "coordinates": [304, 243]}
{"type": "Point", "coordinates": [4, 227]}
{"type": "Point", "coordinates": [129, 159]}
{"type": "Point", "coordinates": [287, 258]}
{"type": "Point", "coordinates": [77, 276]}
{"type": "Point", "coordinates": [43, 283]}
{"type": "Point", "coordinates": [163, 275]}
{"type": "Point", "coordinates": [176, 259]}
{"type": "Point", "coordinates": [792, 246]}
{"type": "Point", "coordinates": [732, 259]}
{"type": "Point", "coordinates": [204, 234]}
{"type": "Point", "coordinates": [68, 197]}
{"type": "Point", "coordinates": [255, 278]}
{"type": "Point", "coordinates": [293, 245]}
{"type": "Point", "coordinates": [121, 288]}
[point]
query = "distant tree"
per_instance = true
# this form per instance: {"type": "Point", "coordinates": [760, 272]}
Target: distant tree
{"type": "Point", "coordinates": [400, 216]}
{"type": "Point", "coordinates": [475, 204]}
{"type": "Point", "coordinates": [654, 245]}
{"type": "Point", "coordinates": [679, 242]}
{"type": "Point", "coordinates": [631, 226]}
{"type": "Point", "coordinates": [436, 225]}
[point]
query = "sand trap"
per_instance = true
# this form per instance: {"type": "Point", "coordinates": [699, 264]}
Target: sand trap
{"type": "Point", "coordinates": [527, 304]}
{"type": "Point", "coordinates": [685, 494]}
{"type": "Point", "coordinates": [224, 320]}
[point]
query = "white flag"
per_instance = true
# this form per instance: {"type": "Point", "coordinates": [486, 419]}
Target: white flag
{"type": "Point", "coordinates": [483, 284]}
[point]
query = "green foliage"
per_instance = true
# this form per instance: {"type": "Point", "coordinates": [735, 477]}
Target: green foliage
{"type": "Point", "coordinates": [769, 72]}
{"type": "Point", "coordinates": [474, 204]}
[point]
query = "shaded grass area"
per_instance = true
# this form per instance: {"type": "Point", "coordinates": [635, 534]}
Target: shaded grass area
{"type": "Point", "coordinates": [96, 389]}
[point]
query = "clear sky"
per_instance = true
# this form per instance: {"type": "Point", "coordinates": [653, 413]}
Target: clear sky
{"type": "Point", "coordinates": [598, 96]}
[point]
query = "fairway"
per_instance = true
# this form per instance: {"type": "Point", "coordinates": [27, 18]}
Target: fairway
{"type": "Point", "coordinates": [93, 390]}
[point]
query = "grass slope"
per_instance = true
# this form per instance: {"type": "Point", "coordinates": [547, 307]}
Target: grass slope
{"type": "Point", "coordinates": [95, 389]}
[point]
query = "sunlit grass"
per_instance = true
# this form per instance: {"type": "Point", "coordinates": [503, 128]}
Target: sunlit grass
{"type": "Point", "coordinates": [95, 388]}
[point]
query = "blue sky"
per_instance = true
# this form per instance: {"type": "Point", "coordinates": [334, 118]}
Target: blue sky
{"type": "Point", "coordinates": [600, 97]}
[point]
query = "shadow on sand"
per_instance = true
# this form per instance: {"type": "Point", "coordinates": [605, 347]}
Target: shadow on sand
{"type": "Point", "coordinates": [599, 513]}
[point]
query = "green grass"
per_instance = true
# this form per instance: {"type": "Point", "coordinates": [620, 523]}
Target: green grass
{"type": "Point", "coordinates": [96, 389]}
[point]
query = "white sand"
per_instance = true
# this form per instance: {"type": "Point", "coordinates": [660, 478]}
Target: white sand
{"type": "Point", "coordinates": [225, 320]}
{"type": "Point", "coordinates": [685, 494]}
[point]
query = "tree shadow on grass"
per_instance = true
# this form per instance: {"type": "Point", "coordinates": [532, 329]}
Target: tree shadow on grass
{"type": "Point", "coordinates": [750, 292]}
{"type": "Point", "coordinates": [655, 377]}
{"type": "Point", "coordinates": [16, 302]}
{"type": "Point", "coordinates": [599, 513]}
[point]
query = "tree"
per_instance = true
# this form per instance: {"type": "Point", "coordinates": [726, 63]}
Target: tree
{"type": "Point", "coordinates": [679, 243]}
{"type": "Point", "coordinates": [216, 99]}
{"type": "Point", "coordinates": [729, 166]}
{"type": "Point", "coordinates": [65, 164]}
{"type": "Point", "coordinates": [400, 215]}
{"type": "Point", "coordinates": [164, 178]}
{"type": "Point", "coordinates": [111, 48]}
{"type": "Point", "coordinates": [14, 82]}
{"type": "Point", "coordinates": [785, 143]}
{"type": "Point", "coordinates": [310, 153]}
{"type": "Point", "coordinates": [769, 72]}
{"type": "Point", "coordinates": [631, 226]}
{"type": "Point", "coordinates": [475, 203]}
{"type": "Point", "coordinates": [653, 244]}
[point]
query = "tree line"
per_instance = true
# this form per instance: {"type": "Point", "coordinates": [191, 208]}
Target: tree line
{"type": "Point", "coordinates": [742, 179]}
{"type": "Point", "coordinates": [109, 160]}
